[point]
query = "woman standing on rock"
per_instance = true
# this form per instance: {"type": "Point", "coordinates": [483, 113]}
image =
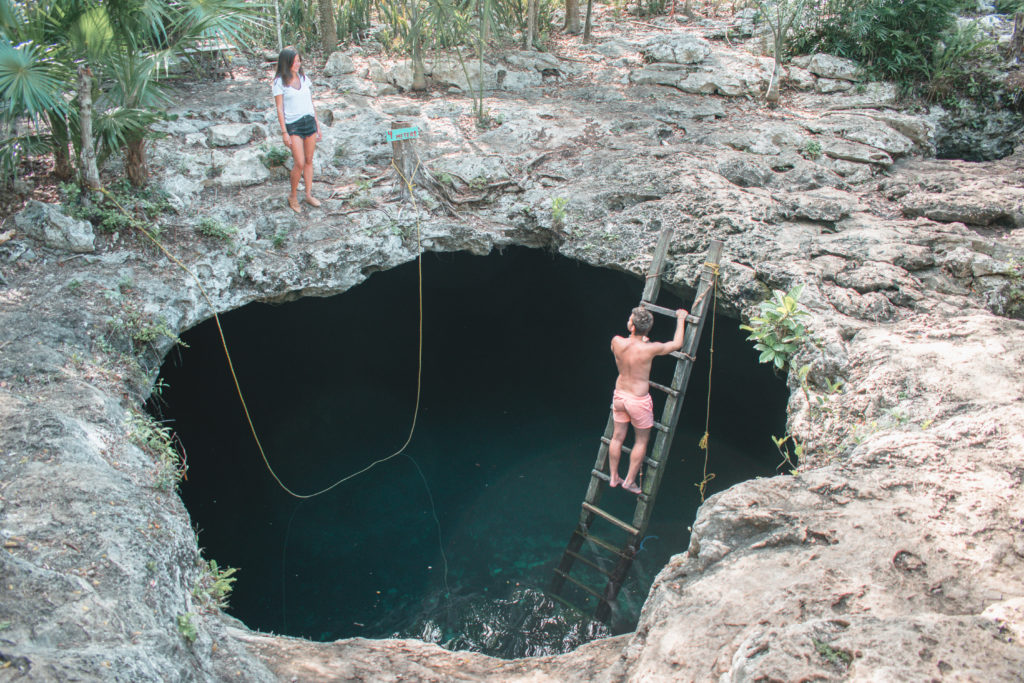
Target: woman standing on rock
{"type": "Point", "coordinates": [301, 130]}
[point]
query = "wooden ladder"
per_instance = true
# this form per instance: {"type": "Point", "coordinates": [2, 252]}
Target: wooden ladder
{"type": "Point", "coordinates": [613, 561]}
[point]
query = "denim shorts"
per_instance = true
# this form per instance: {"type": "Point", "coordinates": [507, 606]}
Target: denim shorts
{"type": "Point", "coordinates": [304, 127]}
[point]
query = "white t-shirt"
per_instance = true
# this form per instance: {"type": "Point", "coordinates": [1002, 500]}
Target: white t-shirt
{"type": "Point", "coordinates": [297, 103]}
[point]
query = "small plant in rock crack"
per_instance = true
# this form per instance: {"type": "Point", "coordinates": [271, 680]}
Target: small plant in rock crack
{"type": "Point", "coordinates": [830, 654]}
{"type": "Point", "coordinates": [158, 440]}
{"type": "Point", "coordinates": [778, 332]}
{"type": "Point", "coordinates": [558, 213]}
{"type": "Point", "coordinates": [791, 451]}
{"type": "Point", "coordinates": [214, 585]}
{"type": "Point", "coordinates": [187, 628]}
{"type": "Point", "coordinates": [812, 150]}
{"type": "Point", "coordinates": [211, 227]}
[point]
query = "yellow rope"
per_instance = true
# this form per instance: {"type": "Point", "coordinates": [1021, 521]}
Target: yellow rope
{"type": "Point", "coordinates": [234, 376]}
{"type": "Point", "coordinates": [703, 444]}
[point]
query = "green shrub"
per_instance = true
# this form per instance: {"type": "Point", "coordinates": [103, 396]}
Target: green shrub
{"type": "Point", "coordinates": [211, 227]}
{"type": "Point", "coordinates": [778, 332]}
{"type": "Point", "coordinates": [915, 43]}
{"type": "Point", "coordinates": [274, 156]}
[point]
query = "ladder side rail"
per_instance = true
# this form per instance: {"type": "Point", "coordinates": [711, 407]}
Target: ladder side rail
{"type": "Point", "coordinates": [653, 283]}
{"type": "Point", "coordinates": [594, 489]}
{"type": "Point", "coordinates": [614, 585]}
{"type": "Point", "coordinates": [565, 564]}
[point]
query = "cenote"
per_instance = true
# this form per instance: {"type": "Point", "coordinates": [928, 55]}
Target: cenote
{"type": "Point", "coordinates": [454, 541]}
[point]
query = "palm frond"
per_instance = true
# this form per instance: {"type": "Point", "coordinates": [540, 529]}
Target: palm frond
{"type": "Point", "coordinates": [31, 82]}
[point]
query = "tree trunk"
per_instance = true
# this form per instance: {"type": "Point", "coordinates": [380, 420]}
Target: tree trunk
{"type": "Point", "coordinates": [277, 23]}
{"type": "Point", "coordinates": [587, 24]}
{"type": "Point", "coordinates": [572, 17]}
{"type": "Point", "coordinates": [1017, 41]}
{"type": "Point", "coordinates": [772, 96]}
{"type": "Point", "coordinates": [328, 29]}
{"type": "Point", "coordinates": [62, 166]}
{"type": "Point", "coordinates": [412, 173]}
{"type": "Point", "coordinates": [531, 25]}
{"type": "Point", "coordinates": [135, 162]}
{"type": "Point", "coordinates": [419, 80]}
{"type": "Point", "coordinates": [90, 172]}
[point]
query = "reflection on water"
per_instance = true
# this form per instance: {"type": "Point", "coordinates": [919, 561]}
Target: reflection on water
{"type": "Point", "coordinates": [454, 543]}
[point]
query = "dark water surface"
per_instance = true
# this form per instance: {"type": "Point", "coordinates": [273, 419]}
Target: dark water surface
{"type": "Point", "coordinates": [517, 380]}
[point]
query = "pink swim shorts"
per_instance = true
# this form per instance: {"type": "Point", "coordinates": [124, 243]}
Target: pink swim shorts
{"type": "Point", "coordinates": [636, 409]}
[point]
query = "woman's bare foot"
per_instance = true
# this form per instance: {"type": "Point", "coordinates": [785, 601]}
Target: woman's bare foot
{"type": "Point", "coordinates": [294, 203]}
{"type": "Point", "coordinates": [312, 201]}
{"type": "Point", "coordinates": [614, 480]}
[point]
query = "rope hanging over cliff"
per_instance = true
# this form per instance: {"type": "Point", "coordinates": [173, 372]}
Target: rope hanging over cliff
{"type": "Point", "coordinates": [234, 376]}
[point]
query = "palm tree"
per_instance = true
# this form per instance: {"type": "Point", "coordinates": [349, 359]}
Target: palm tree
{"type": "Point", "coordinates": [111, 54]}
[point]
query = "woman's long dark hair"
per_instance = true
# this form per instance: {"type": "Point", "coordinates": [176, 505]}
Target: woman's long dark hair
{"type": "Point", "coordinates": [284, 65]}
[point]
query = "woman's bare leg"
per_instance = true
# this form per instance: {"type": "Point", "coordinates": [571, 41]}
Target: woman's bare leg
{"type": "Point", "coordinates": [309, 146]}
{"type": "Point", "coordinates": [298, 168]}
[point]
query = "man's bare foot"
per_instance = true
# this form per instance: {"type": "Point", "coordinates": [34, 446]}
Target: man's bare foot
{"type": "Point", "coordinates": [294, 203]}
{"type": "Point", "coordinates": [312, 201]}
{"type": "Point", "coordinates": [632, 488]}
{"type": "Point", "coordinates": [614, 480]}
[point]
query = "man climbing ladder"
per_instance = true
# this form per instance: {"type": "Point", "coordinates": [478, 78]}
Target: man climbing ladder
{"type": "Point", "coordinates": [632, 402]}
{"type": "Point", "coordinates": [593, 558]}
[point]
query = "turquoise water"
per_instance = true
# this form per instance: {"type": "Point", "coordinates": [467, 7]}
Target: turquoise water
{"type": "Point", "coordinates": [454, 541]}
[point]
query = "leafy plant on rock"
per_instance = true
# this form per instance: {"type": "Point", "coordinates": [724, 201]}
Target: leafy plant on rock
{"type": "Point", "coordinates": [158, 440]}
{"type": "Point", "coordinates": [214, 585]}
{"type": "Point", "coordinates": [778, 333]}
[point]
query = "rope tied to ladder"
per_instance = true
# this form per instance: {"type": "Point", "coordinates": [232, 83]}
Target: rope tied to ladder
{"type": "Point", "coordinates": [714, 269]}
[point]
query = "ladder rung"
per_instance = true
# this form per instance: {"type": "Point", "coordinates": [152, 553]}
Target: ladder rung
{"type": "Point", "coordinates": [565, 602]}
{"type": "Point", "coordinates": [608, 442]}
{"type": "Point", "coordinates": [611, 518]}
{"type": "Point", "coordinates": [598, 541]}
{"type": "Point", "coordinates": [580, 584]}
{"type": "Point", "coordinates": [627, 450]}
{"type": "Point", "coordinates": [589, 563]}
{"type": "Point", "coordinates": [600, 475]}
{"type": "Point", "coordinates": [670, 312]}
{"type": "Point", "coordinates": [682, 356]}
{"type": "Point", "coordinates": [667, 390]}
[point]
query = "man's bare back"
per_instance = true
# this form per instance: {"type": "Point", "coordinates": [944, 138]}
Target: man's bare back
{"type": "Point", "coordinates": [634, 354]}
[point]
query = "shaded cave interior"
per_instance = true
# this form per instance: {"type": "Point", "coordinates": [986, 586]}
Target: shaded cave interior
{"type": "Point", "coordinates": [454, 540]}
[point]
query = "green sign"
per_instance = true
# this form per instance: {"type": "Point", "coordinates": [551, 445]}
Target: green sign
{"type": "Point", "coordinates": [411, 133]}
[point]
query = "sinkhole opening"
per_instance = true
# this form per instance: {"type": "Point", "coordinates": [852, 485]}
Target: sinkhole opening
{"type": "Point", "coordinates": [454, 541]}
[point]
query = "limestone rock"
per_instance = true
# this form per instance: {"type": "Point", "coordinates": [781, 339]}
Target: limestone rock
{"type": "Point", "coordinates": [829, 66]}
{"type": "Point", "coordinates": [831, 85]}
{"type": "Point", "coordinates": [855, 152]}
{"type": "Point", "coordinates": [614, 48]}
{"type": "Point", "coordinates": [745, 173]}
{"type": "Point", "coordinates": [339, 64]}
{"type": "Point", "coordinates": [864, 129]}
{"type": "Point", "coordinates": [234, 134]}
{"type": "Point", "coordinates": [681, 48]}
{"type": "Point", "coordinates": [801, 79]}
{"type": "Point", "coordinates": [983, 207]}
{"type": "Point", "coordinates": [48, 224]}
{"type": "Point", "coordinates": [242, 169]}
{"type": "Point", "coordinates": [540, 61]}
